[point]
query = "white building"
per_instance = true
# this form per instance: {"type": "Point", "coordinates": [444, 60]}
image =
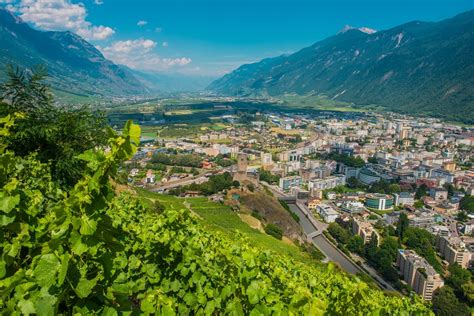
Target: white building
{"type": "Point", "coordinates": [328, 214]}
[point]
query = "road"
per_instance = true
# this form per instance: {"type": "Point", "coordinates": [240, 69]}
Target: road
{"type": "Point", "coordinates": [314, 228]}
{"type": "Point", "coordinates": [325, 246]}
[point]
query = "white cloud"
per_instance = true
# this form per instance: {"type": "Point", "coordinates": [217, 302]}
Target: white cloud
{"type": "Point", "coordinates": [158, 30]}
{"type": "Point", "coordinates": [60, 15]}
{"type": "Point", "coordinates": [139, 54]}
{"type": "Point", "coordinates": [142, 23]}
{"type": "Point", "coordinates": [98, 2]}
{"type": "Point", "coordinates": [165, 44]}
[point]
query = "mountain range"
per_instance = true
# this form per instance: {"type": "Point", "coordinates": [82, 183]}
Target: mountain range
{"type": "Point", "coordinates": [417, 67]}
{"type": "Point", "coordinates": [76, 67]}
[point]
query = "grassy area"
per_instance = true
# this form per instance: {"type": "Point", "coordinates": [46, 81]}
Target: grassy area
{"type": "Point", "coordinates": [317, 102]}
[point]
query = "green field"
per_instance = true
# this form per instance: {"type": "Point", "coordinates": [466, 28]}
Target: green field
{"type": "Point", "coordinates": [316, 102]}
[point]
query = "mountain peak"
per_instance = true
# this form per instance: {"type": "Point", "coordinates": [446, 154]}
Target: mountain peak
{"type": "Point", "coordinates": [362, 29]}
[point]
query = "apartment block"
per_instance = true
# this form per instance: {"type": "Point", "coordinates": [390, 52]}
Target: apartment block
{"type": "Point", "coordinates": [454, 250]}
{"type": "Point", "coordinates": [418, 273]}
{"type": "Point", "coordinates": [326, 183]}
{"type": "Point", "coordinates": [364, 230]}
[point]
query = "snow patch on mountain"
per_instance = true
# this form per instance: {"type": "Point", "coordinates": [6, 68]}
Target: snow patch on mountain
{"type": "Point", "coordinates": [363, 29]}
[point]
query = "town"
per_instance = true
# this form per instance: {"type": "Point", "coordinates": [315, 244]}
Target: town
{"type": "Point", "coordinates": [384, 194]}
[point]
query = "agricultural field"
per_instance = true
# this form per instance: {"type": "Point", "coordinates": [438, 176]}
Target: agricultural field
{"type": "Point", "coordinates": [316, 102]}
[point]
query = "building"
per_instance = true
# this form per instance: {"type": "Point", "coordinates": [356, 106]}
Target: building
{"type": "Point", "coordinates": [424, 220]}
{"type": "Point", "coordinates": [368, 176]}
{"type": "Point", "coordinates": [418, 274]}
{"type": "Point", "coordinates": [287, 182]}
{"type": "Point", "coordinates": [469, 227]}
{"type": "Point", "coordinates": [442, 174]}
{"type": "Point", "coordinates": [313, 203]}
{"type": "Point", "coordinates": [439, 230]}
{"type": "Point", "coordinates": [267, 161]}
{"type": "Point", "coordinates": [438, 194]}
{"type": "Point", "coordinates": [380, 202]}
{"type": "Point", "coordinates": [328, 214]}
{"type": "Point", "coordinates": [403, 198]}
{"type": "Point", "coordinates": [364, 230]}
{"type": "Point", "coordinates": [353, 207]}
{"type": "Point", "coordinates": [391, 218]}
{"type": "Point", "coordinates": [454, 250]}
{"type": "Point", "coordinates": [150, 177]}
{"type": "Point", "coordinates": [242, 163]}
{"type": "Point", "coordinates": [326, 183]}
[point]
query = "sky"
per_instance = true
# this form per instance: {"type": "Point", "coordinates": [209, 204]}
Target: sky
{"type": "Point", "coordinates": [213, 37]}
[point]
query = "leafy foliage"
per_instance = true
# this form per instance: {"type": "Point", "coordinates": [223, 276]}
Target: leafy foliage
{"type": "Point", "coordinates": [184, 160]}
{"type": "Point", "coordinates": [89, 251]}
{"type": "Point", "coordinates": [215, 184]}
{"type": "Point", "coordinates": [446, 303]}
{"type": "Point", "coordinates": [57, 134]}
{"type": "Point", "coordinates": [467, 203]}
{"type": "Point", "coordinates": [274, 230]}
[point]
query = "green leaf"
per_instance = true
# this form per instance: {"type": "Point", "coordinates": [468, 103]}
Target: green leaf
{"type": "Point", "coordinates": [64, 267]}
{"type": "Point", "coordinates": [6, 220]}
{"type": "Point", "coordinates": [46, 269]}
{"type": "Point", "coordinates": [252, 292]}
{"type": "Point", "coordinates": [88, 226]}
{"type": "Point", "coordinates": [134, 133]}
{"type": "Point", "coordinates": [27, 307]}
{"type": "Point", "coordinates": [85, 286]}
{"type": "Point", "coordinates": [45, 305]}
{"type": "Point", "coordinates": [109, 311]}
{"type": "Point", "coordinates": [8, 203]}
{"type": "Point", "coordinates": [3, 269]}
{"type": "Point", "coordinates": [77, 246]}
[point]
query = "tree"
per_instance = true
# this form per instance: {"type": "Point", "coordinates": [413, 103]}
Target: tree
{"type": "Point", "coordinates": [274, 230]}
{"type": "Point", "coordinates": [402, 225]}
{"type": "Point", "coordinates": [445, 303]}
{"type": "Point", "coordinates": [356, 244]}
{"type": "Point", "coordinates": [450, 188]}
{"type": "Point", "coordinates": [394, 188]}
{"type": "Point", "coordinates": [421, 191]}
{"type": "Point", "coordinates": [462, 216]}
{"type": "Point", "coordinates": [57, 134]}
{"type": "Point", "coordinates": [457, 278]}
{"type": "Point", "coordinates": [467, 203]}
{"type": "Point", "coordinates": [418, 204]}
{"type": "Point", "coordinates": [371, 249]}
{"type": "Point", "coordinates": [339, 233]}
{"type": "Point", "coordinates": [25, 91]}
{"type": "Point", "coordinates": [354, 183]}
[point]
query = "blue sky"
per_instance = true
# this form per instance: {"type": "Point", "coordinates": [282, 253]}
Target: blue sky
{"type": "Point", "coordinates": [214, 37]}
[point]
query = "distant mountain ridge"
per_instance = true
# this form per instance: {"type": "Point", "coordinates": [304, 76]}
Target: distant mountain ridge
{"type": "Point", "coordinates": [417, 67]}
{"type": "Point", "coordinates": [171, 82]}
{"type": "Point", "coordinates": [75, 66]}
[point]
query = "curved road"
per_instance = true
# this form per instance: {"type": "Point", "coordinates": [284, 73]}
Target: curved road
{"type": "Point", "coordinates": [326, 247]}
